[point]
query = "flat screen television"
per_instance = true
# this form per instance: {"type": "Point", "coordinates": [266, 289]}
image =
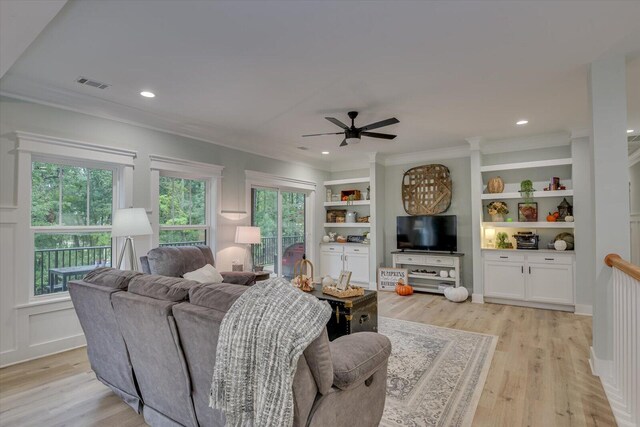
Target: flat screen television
{"type": "Point", "coordinates": [427, 233]}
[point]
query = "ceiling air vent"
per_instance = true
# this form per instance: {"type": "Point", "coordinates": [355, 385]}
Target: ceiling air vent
{"type": "Point", "coordinates": [93, 83]}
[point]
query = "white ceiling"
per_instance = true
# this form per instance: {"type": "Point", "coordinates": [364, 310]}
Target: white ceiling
{"type": "Point", "coordinates": [257, 75]}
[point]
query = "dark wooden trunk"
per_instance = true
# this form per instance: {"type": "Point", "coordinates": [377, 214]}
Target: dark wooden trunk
{"type": "Point", "coordinates": [351, 315]}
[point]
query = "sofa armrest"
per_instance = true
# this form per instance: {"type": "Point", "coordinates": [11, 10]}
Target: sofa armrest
{"type": "Point", "coordinates": [357, 357]}
{"type": "Point", "coordinates": [246, 278]}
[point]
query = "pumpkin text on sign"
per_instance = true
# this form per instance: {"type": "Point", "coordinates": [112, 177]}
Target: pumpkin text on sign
{"type": "Point", "coordinates": [388, 278]}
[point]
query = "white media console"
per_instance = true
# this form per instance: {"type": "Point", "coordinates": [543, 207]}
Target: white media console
{"type": "Point", "coordinates": [431, 262]}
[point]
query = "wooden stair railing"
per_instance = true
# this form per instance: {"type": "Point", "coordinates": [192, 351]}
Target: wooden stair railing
{"type": "Point", "coordinates": [623, 387]}
{"type": "Point", "coordinates": [615, 260]}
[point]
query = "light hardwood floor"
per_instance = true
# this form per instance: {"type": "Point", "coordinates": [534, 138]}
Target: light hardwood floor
{"type": "Point", "coordinates": [539, 375]}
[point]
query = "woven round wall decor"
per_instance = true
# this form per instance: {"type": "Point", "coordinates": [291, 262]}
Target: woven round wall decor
{"type": "Point", "coordinates": [426, 190]}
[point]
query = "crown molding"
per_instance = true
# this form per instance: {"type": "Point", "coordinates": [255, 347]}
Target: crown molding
{"type": "Point", "coordinates": [427, 155]}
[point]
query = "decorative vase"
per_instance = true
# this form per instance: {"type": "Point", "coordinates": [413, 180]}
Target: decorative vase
{"type": "Point", "coordinates": [497, 218]}
{"type": "Point", "coordinates": [495, 185]}
{"type": "Point", "coordinates": [326, 239]}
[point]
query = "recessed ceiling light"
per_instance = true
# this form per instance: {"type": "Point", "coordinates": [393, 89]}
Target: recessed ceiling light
{"type": "Point", "coordinates": [629, 130]}
{"type": "Point", "coordinates": [148, 94]}
{"type": "Point", "coordinates": [325, 152]}
{"type": "Point", "coordinates": [522, 122]}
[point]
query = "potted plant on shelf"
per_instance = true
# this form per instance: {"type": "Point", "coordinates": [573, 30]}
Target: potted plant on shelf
{"type": "Point", "coordinates": [502, 241]}
{"type": "Point", "coordinates": [526, 190]}
{"type": "Point", "coordinates": [497, 210]}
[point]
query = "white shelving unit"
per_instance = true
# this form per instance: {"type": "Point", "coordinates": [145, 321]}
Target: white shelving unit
{"type": "Point", "coordinates": [347, 225]}
{"type": "Point", "coordinates": [536, 195]}
{"type": "Point", "coordinates": [539, 224]}
{"type": "Point", "coordinates": [354, 203]}
{"type": "Point", "coordinates": [543, 278]}
{"type": "Point", "coordinates": [526, 165]}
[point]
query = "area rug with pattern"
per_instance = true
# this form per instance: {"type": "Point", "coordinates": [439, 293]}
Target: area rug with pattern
{"type": "Point", "coordinates": [435, 375]}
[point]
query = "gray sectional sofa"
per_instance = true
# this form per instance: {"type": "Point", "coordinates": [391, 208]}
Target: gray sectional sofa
{"type": "Point", "coordinates": [175, 261]}
{"type": "Point", "coordinates": [152, 340]}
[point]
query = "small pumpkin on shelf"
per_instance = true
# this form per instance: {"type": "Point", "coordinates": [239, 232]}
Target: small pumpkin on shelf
{"type": "Point", "coordinates": [402, 289]}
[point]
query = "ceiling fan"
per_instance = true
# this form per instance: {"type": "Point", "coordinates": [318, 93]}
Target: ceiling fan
{"type": "Point", "coordinates": [353, 134]}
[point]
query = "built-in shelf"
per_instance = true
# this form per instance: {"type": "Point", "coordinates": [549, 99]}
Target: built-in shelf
{"type": "Point", "coordinates": [442, 279]}
{"type": "Point", "coordinates": [559, 224]}
{"type": "Point", "coordinates": [526, 165]}
{"type": "Point", "coordinates": [347, 224]}
{"type": "Point", "coordinates": [352, 203]}
{"type": "Point", "coordinates": [347, 181]}
{"type": "Point", "coordinates": [536, 195]}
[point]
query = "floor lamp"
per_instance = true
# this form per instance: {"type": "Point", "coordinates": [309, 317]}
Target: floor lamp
{"type": "Point", "coordinates": [128, 223]}
{"type": "Point", "coordinates": [248, 236]}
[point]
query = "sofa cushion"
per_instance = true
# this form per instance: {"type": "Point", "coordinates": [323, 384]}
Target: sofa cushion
{"type": "Point", "coordinates": [206, 274]}
{"type": "Point", "coordinates": [162, 287]}
{"type": "Point", "coordinates": [357, 356]}
{"type": "Point", "coordinates": [218, 296]}
{"type": "Point", "coordinates": [176, 261]}
{"type": "Point", "coordinates": [318, 355]}
{"type": "Point", "coordinates": [110, 277]}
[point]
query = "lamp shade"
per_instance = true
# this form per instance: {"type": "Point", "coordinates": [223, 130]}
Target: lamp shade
{"type": "Point", "coordinates": [130, 222]}
{"type": "Point", "coordinates": [247, 235]}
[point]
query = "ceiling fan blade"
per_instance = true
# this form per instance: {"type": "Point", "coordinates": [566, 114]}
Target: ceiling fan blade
{"type": "Point", "coordinates": [378, 135]}
{"type": "Point", "coordinates": [380, 124]}
{"type": "Point", "coordinates": [337, 122]}
{"type": "Point", "coordinates": [343, 143]}
{"type": "Point", "coordinates": [320, 134]}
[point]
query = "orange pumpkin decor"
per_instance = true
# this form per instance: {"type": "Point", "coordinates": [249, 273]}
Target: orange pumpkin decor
{"type": "Point", "coordinates": [402, 289]}
{"type": "Point", "coordinates": [495, 185]}
{"type": "Point", "coordinates": [553, 217]}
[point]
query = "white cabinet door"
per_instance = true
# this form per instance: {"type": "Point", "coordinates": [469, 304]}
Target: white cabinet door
{"type": "Point", "coordinates": [550, 283]}
{"type": "Point", "coordinates": [358, 265]}
{"type": "Point", "coordinates": [504, 280]}
{"type": "Point", "coordinates": [331, 264]}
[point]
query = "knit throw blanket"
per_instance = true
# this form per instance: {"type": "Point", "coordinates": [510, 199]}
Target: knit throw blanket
{"type": "Point", "coordinates": [261, 338]}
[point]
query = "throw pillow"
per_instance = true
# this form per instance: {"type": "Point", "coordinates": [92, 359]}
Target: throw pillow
{"type": "Point", "coordinates": [206, 274]}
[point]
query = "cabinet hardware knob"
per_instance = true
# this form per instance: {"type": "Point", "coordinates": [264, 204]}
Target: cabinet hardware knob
{"type": "Point", "coordinates": [504, 257]}
{"type": "Point", "coordinates": [522, 269]}
{"type": "Point", "coordinates": [337, 315]}
{"type": "Point", "coordinates": [549, 259]}
{"type": "Point", "coordinates": [529, 270]}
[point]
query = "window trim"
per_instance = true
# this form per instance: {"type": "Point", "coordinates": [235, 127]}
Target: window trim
{"type": "Point", "coordinates": [186, 169]}
{"type": "Point", "coordinates": [254, 179]}
{"type": "Point", "coordinates": [34, 147]}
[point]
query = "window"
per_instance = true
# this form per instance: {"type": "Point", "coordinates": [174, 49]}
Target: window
{"type": "Point", "coordinates": [281, 217]}
{"type": "Point", "coordinates": [183, 211]}
{"type": "Point", "coordinates": [71, 211]}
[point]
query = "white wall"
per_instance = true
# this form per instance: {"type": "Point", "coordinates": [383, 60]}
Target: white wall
{"type": "Point", "coordinates": [33, 330]}
{"type": "Point", "coordinates": [460, 170]}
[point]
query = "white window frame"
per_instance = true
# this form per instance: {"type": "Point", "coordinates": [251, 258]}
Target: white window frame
{"type": "Point", "coordinates": [41, 148]}
{"type": "Point", "coordinates": [66, 229]}
{"type": "Point", "coordinates": [254, 179]}
{"type": "Point", "coordinates": [177, 168]}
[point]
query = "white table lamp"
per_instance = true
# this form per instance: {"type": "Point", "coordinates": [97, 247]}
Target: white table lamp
{"type": "Point", "coordinates": [248, 236]}
{"type": "Point", "coordinates": [128, 223]}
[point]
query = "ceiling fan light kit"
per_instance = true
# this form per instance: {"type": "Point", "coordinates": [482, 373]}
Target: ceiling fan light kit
{"type": "Point", "coordinates": [352, 134]}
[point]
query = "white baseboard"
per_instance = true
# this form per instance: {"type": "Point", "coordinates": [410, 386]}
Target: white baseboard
{"type": "Point", "coordinates": [584, 310]}
{"type": "Point", "coordinates": [600, 367]}
{"type": "Point", "coordinates": [477, 298]}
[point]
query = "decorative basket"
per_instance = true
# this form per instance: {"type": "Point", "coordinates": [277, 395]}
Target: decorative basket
{"type": "Point", "coordinates": [353, 291]}
{"type": "Point", "coordinates": [334, 214]}
{"type": "Point", "coordinates": [426, 190]}
{"type": "Point", "coordinates": [363, 219]}
{"type": "Point", "coordinates": [304, 282]}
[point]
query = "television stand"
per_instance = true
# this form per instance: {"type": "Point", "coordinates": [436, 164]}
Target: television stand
{"type": "Point", "coordinates": [431, 262]}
